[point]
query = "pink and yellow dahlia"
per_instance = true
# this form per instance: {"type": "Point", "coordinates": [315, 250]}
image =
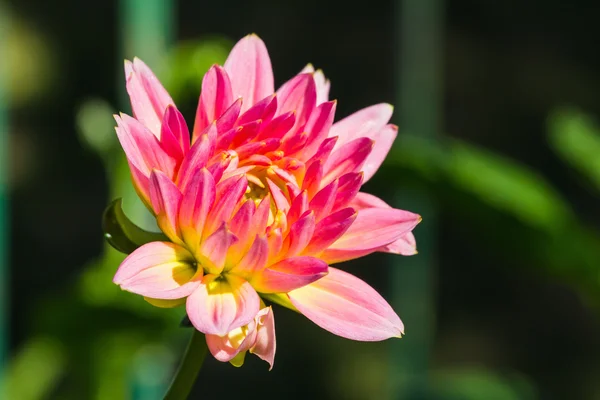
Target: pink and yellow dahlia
{"type": "Point", "coordinates": [257, 202]}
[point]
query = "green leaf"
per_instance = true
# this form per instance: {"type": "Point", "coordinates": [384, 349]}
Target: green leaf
{"type": "Point", "coordinates": [498, 181]}
{"type": "Point", "coordinates": [124, 235]}
{"type": "Point", "coordinates": [575, 136]}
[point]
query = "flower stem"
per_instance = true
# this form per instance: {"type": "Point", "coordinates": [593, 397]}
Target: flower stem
{"type": "Point", "coordinates": [188, 370]}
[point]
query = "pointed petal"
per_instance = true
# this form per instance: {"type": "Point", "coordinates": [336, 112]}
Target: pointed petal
{"type": "Point", "coordinates": [348, 307]}
{"type": "Point", "coordinates": [278, 127]}
{"type": "Point", "coordinates": [198, 199]}
{"type": "Point", "coordinates": [318, 126]}
{"type": "Point", "coordinates": [230, 116]}
{"type": "Point", "coordinates": [298, 95]}
{"type": "Point", "coordinates": [141, 147]}
{"type": "Point", "coordinates": [406, 245]}
{"type": "Point", "coordinates": [289, 274]}
{"type": "Point", "coordinates": [329, 229]}
{"type": "Point", "coordinates": [348, 158]}
{"type": "Point", "coordinates": [249, 68]}
{"type": "Point", "coordinates": [348, 188]}
{"type": "Point", "coordinates": [149, 99]}
{"type": "Point", "coordinates": [174, 135]}
{"type": "Point", "coordinates": [383, 143]}
{"type": "Point", "coordinates": [364, 123]}
{"type": "Point", "coordinates": [240, 225]}
{"type": "Point", "coordinates": [198, 156]}
{"type": "Point", "coordinates": [254, 260]}
{"type": "Point", "coordinates": [265, 344]}
{"type": "Point", "coordinates": [160, 270]}
{"type": "Point", "coordinates": [376, 227]}
{"type": "Point", "coordinates": [301, 233]}
{"type": "Point", "coordinates": [263, 110]}
{"type": "Point", "coordinates": [322, 203]}
{"type": "Point", "coordinates": [229, 193]}
{"type": "Point", "coordinates": [312, 178]}
{"type": "Point", "coordinates": [215, 98]}
{"type": "Point", "coordinates": [221, 304]}
{"type": "Point", "coordinates": [165, 198]}
{"type": "Point", "coordinates": [298, 208]}
{"type": "Point", "coordinates": [213, 251]}
{"type": "Point", "coordinates": [279, 198]}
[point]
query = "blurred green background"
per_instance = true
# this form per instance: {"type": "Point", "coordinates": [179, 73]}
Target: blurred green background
{"type": "Point", "coordinates": [498, 105]}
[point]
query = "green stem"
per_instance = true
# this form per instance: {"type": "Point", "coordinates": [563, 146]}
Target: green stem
{"type": "Point", "coordinates": [190, 367]}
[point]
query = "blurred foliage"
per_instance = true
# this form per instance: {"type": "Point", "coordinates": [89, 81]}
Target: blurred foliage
{"type": "Point", "coordinates": [30, 63]}
{"type": "Point", "coordinates": [189, 61]}
{"type": "Point", "coordinates": [476, 383]}
{"type": "Point", "coordinates": [576, 138]}
{"type": "Point", "coordinates": [509, 188]}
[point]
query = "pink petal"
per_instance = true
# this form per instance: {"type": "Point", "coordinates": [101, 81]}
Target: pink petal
{"type": "Point", "coordinates": [160, 270]}
{"type": "Point", "coordinates": [165, 198]}
{"type": "Point", "coordinates": [318, 126]}
{"type": "Point", "coordinates": [229, 193]}
{"type": "Point", "coordinates": [406, 245]}
{"type": "Point", "coordinates": [298, 207]}
{"type": "Point", "coordinates": [278, 126]}
{"type": "Point", "coordinates": [265, 344]}
{"type": "Point", "coordinates": [348, 307]}
{"type": "Point", "coordinates": [240, 225]}
{"type": "Point", "coordinates": [322, 203]}
{"type": "Point", "coordinates": [230, 116]}
{"type": "Point", "coordinates": [298, 95]}
{"type": "Point", "coordinates": [227, 161]}
{"type": "Point", "coordinates": [141, 147]}
{"type": "Point", "coordinates": [174, 136]}
{"type": "Point", "coordinates": [149, 99]}
{"type": "Point", "coordinates": [254, 260]}
{"type": "Point", "coordinates": [141, 184]}
{"type": "Point", "coordinates": [312, 178]}
{"type": "Point", "coordinates": [324, 150]}
{"type": "Point", "coordinates": [215, 98]}
{"type": "Point", "coordinates": [289, 274]}
{"type": "Point", "coordinates": [261, 216]}
{"type": "Point", "coordinates": [279, 198]}
{"type": "Point", "coordinates": [198, 156]}
{"type": "Point", "coordinates": [301, 233]}
{"type": "Point", "coordinates": [373, 229]}
{"type": "Point", "coordinates": [348, 188]}
{"type": "Point", "coordinates": [238, 135]}
{"type": "Point", "coordinates": [249, 68]}
{"type": "Point", "coordinates": [213, 251]}
{"type": "Point", "coordinates": [225, 348]}
{"type": "Point", "coordinates": [221, 304]}
{"type": "Point", "coordinates": [198, 198]}
{"type": "Point", "coordinates": [364, 123]}
{"type": "Point", "coordinates": [263, 110]}
{"type": "Point", "coordinates": [329, 229]}
{"type": "Point", "coordinates": [383, 143]}
{"type": "Point", "coordinates": [348, 158]}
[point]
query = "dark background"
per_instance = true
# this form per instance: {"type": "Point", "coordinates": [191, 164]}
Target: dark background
{"type": "Point", "coordinates": [514, 285]}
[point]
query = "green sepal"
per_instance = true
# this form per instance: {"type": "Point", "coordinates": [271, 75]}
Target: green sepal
{"type": "Point", "coordinates": [124, 235]}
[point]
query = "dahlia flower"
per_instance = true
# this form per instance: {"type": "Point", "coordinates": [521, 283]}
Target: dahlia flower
{"type": "Point", "coordinates": [258, 201]}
